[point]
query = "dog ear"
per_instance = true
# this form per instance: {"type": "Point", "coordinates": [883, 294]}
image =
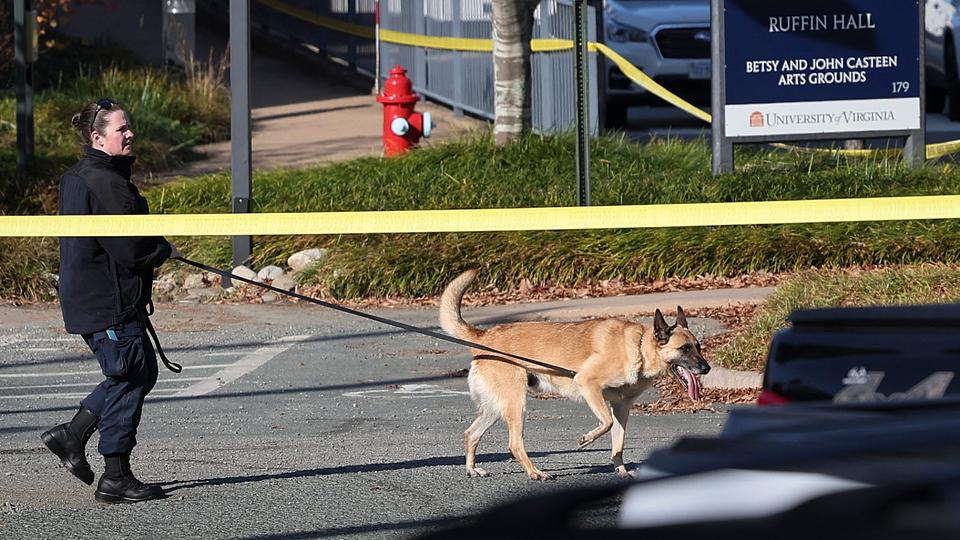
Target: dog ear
{"type": "Point", "coordinates": [681, 318]}
{"type": "Point", "coordinates": [660, 329]}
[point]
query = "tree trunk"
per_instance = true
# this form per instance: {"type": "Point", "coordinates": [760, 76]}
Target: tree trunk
{"type": "Point", "coordinates": [512, 31]}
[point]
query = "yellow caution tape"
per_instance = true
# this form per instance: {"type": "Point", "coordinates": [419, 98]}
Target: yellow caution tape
{"type": "Point", "coordinates": [319, 20]}
{"type": "Point", "coordinates": [431, 42]}
{"type": "Point", "coordinates": [941, 149]}
{"type": "Point", "coordinates": [843, 151]}
{"type": "Point", "coordinates": [933, 151]}
{"type": "Point", "coordinates": [649, 84]}
{"type": "Point", "coordinates": [485, 220]}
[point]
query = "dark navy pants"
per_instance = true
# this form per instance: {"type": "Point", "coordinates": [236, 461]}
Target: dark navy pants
{"type": "Point", "coordinates": [129, 364]}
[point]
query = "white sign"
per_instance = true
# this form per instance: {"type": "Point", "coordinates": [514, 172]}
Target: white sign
{"type": "Point", "coordinates": [807, 117]}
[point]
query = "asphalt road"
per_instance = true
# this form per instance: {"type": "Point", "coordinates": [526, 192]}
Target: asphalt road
{"type": "Point", "coordinates": [289, 422]}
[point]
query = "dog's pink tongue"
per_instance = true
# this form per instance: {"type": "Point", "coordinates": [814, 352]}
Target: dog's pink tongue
{"type": "Point", "coordinates": [693, 385]}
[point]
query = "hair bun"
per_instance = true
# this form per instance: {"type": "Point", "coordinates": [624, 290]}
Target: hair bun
{"type": "Point", "coordinates": [75, 121]}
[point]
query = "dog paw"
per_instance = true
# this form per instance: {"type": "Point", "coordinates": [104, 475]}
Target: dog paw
{"type": "Point", "coordinates": [622, 472]}
{"type": "Point", "coordinates": [477, 472]}
{"type": "Point", "coordinates": [584, 440]}
{"type": "Point", "coordinates": [539, 475]}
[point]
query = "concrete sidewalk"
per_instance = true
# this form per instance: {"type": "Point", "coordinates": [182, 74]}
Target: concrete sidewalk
{"type": "Point", "coordinates": [306, 111]}
{"type": "Point", "coordinates": [322, 130]}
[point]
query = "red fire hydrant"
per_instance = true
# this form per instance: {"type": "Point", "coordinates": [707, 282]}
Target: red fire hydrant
{"type": "Point", "coordinates": [402, 127]}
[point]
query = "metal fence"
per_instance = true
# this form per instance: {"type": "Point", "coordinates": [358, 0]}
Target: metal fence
{"type": "Point", "coordinates": [462, 80]}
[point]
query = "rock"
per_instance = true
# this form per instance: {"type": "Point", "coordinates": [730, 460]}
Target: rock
{"type": "Point", "coordinates": [244, 272]}
{"type": "Point", "coordinates": [202, 293]}
{"type": "Point", "coordinates": [269, 297]}
{"type": "Point", "coordinates": [285, 282]}
{"type": "Point", "coordinates": [302, 259]}
{"type": "Point", "coordinates": [269, 272]}
{"type": "Point", "coordinates": [164, 287]}
{"type": "Point", "coordinates": [194, 281]}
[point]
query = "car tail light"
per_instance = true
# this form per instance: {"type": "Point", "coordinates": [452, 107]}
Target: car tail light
{"type": "Point", "coordinates": [769, 397]}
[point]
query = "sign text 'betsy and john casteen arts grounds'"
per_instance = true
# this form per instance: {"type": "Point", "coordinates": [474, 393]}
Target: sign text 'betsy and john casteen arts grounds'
{"type": "Point", "coordinates": [821, 67]}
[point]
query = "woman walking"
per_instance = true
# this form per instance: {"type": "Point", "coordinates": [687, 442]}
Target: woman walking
{"type": "Point", "coordinates": [105, 296]}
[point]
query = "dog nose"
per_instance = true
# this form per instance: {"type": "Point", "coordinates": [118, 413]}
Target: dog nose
{"type": "Point", "coordinates": [704, 368]}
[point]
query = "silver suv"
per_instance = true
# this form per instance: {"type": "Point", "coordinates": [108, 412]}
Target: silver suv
{"type": "Point", "coordinates": [667, 40]}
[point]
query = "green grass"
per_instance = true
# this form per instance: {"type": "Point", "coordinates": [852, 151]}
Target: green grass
{"type": "Point", "coordinates": [538, 171]}
{"type": "Point", "coordinates": [170, 112]}
{"type": "Point", "coordinates": [926, 284]}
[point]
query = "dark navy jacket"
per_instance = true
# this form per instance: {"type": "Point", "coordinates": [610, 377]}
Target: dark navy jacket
{"type": "Point", "coordinates": [104, 281]}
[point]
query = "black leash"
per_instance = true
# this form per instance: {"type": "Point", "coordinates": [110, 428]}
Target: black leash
{"type": "Point", "coordinates": [389, 322]}
{"type": "Point", "coordinates": [172, 366]}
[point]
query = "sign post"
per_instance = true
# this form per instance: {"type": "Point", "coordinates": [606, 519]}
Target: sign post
{"type": "Point", "coordinates": [240, 159]}
{"type": "Point", "coordinates": [823, 69]}
{"type": "Point", "coordinates": [580, 32]}
{"type": "Point", "coordinates": [25, 43]}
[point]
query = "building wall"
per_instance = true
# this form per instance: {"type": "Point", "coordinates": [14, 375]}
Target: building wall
{"type": "Point", "coordinates": [134, 24]}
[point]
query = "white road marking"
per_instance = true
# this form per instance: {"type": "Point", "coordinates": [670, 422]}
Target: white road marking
{"type": "Point", "coordinates": [10, 339]}
{"type": "Point", "coordinates": [91, 372]}
{"type": "Point", "coordinates": [202, 385]}
{"type": "Point", "coordinates": [92, 384]}
{"type": "Point", "coordinates": [243, 366]}
{"type": "Point", "coordinates": [407, 391]}
{"type": "Point", "coordinates": [153, 394]}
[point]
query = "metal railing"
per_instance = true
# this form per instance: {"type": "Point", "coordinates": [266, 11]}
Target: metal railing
{"type": "Point", "coordinates": [462, 80]}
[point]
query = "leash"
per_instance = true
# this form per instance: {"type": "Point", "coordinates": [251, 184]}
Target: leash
{"type": "Point", "coordinates": [383, 320]}
{"type": "Point", "coordinates": [172, 366]}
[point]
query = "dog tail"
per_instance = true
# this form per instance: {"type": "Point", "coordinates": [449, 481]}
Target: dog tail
{"type": "Point", "coordinates": [450, 319]}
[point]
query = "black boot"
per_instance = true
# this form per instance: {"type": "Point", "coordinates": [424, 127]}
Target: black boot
{"type": "Point", "coordinates": [119, 485]}
{"type": "Point", "coordinates": [68, 441]}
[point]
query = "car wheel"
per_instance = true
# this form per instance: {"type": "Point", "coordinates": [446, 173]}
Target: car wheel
{"type": "Point", "coordinates": [936, 99]}
{"type": "Point", "coordinates": [953, 85]}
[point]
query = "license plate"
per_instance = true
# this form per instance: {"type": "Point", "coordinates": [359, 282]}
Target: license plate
{"type": "Point", "coordinates": [699, 70]}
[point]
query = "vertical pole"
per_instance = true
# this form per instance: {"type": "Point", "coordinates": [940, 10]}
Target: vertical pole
{"type": "Point", "coordinates": [915, 149]}
{"type": "Point", "coordinates": [582, 92]}
{"type": "Point", "coordinates": [419, 72]}
{"type": "Point", "coordinates": [240, 121]}
{"type": "Point", "coordinates": [458, 99]}
{"type": "Point", "coordinates": [722, 161]}
{"type": "Point", "coordinates": [376, 33]}
{"type": "Point", "coordinates": [25, 36]}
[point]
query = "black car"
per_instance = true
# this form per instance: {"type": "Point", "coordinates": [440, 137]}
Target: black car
{"type": "Point", "coordinates": [883, 470]}
{"type": "Point", "coordinates": [855, 355]}
{"type": "Point", "coordinates": [868, 448]}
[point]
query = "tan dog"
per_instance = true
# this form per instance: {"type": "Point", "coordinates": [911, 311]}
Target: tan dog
{"type": "Point", "coordinates": [615, 361]}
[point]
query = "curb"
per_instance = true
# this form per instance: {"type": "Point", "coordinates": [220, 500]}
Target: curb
{"type": "Point", "coordinates": [731, 379]}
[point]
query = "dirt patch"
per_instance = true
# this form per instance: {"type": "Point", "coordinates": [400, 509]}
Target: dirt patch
{"type": "Point", "coordinates": [673, 399]}
{"type": "Point", "coordinates": [526, 292]}
{"type": "Point", "coordinates": [733, 317]}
